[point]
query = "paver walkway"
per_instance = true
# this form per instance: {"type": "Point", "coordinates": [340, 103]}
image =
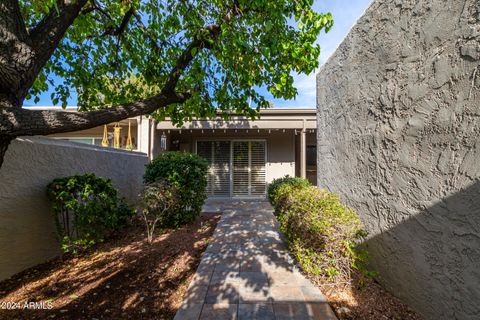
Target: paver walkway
{"type": "Point", "coordinates": [246, 272]}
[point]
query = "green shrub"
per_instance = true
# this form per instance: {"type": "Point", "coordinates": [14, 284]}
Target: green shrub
{"type": "Point", "coordinates": [322, 233]}
{"type": "Point", "coordinates": [294, 182]}
{"type": "Point", "coordinates": [188, 174]}
{"type": "Point", "coordinates": [87, 208]}
{"type": "Point", "coordinates": [160, 202]}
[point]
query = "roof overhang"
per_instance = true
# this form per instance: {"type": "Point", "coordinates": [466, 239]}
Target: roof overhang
{"type": "Point", "coordinates": [269, 119]}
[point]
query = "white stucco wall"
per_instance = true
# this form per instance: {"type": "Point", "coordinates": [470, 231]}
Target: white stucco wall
{"type": "Point", "coordinates": [27, 232]}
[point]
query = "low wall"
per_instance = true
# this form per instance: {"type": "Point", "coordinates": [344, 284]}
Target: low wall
{"type": "Point", "coordinates": [399, 140]}
{"type": "Point", "coordinates": [27, 231]}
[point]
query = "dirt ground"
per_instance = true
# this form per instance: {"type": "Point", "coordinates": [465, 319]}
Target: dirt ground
{"type": "Point", "coordinates": [369, 302]}
{"type": "Point", "coordinates": [127, 278]}
{"type": "Point", "coordinates": [122, 278]}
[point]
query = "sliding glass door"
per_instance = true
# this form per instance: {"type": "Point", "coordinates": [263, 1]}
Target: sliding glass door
{"type": "Point", "coordinates": [236, 168]}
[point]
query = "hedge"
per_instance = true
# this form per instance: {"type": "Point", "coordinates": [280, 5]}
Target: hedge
{"type": "Point", "coordinates": [323, 234]}
{"type": "Point", "coordinates": [187, 173]}
{"type": "Point", "coordinates": [87, 208]}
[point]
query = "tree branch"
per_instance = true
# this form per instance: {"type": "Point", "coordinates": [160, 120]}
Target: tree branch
{"type": "Point", "coordinates": [17, 122]}
{"type": "Point", "coordinates": [41, 122]}
{"type": "Point", "coordinates": [11, 20]}
{"type": "Point", "coordinates": [117, 31]}
{"type": "Point", "coordinates": [187, 56]}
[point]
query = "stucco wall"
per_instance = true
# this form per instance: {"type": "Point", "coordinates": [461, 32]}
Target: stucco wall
{"type": "Point", "coordinates": [399, 140]}
{"type": "Point", "coordinates": [280, 155]}
{"type": "Point", "coordinates": [27, 232]}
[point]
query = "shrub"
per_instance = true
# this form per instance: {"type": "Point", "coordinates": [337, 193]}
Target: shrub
{"type": "Point", "coordinates": [188, 174]}
{"type": "Point", "coordinates": [294, 182]}
{"type": "Point", "coordinates": [322, 233]}
{"type": "Point", "coordinates": [87, 208]}
{"type": "Point", "coordinates": [160, 201]}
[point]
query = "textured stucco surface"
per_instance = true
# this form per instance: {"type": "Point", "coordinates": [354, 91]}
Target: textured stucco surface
{"type": "Point", "coordinates": [27, 232]}
{"type": "Point", "coordinates": [399, 140]}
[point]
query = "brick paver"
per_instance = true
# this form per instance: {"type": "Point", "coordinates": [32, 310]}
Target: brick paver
{"type": "Point", "coordinates": [247, 273]}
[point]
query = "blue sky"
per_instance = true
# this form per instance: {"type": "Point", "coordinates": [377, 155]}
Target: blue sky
{"type": "Point", "coordinates": [345, 13]}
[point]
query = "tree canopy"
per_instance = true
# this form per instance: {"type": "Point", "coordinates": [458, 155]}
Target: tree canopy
{"type": "Point", "coordinates": [176, 58]}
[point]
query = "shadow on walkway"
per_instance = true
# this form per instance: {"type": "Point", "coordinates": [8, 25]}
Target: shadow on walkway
{"type": "Point", "coordinates": [247, 273]}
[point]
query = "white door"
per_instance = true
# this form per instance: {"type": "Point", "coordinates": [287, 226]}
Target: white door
{"type": "Point", "coordinates": [236, 168]}
{"type": "Point", "coordinates": [217, 154]}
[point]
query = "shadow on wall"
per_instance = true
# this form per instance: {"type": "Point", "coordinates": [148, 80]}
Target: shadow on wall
{"type": "Point", "coordinates": [434, 257]}
{"type": "Point", "coordinates": [27, 230]}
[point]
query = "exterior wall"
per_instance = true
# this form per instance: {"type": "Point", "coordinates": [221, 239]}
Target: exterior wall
{"type": "Point", "coordinates": [27, 232]}
{"type": "Point", "coordinates": [280, 155]}
{"type": "Point", "coordinates": [280, 146]}
{"type": "Point", "coordinates": [399, 140]}
{"type": "Point", "coordinates": [144, 135]}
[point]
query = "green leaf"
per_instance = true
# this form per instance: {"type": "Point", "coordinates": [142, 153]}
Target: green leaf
{"type": "Point", "coordinates": [228, 70]}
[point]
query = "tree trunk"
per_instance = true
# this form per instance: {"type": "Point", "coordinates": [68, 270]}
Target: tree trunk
{"type": "Point", "coordinates": [4, 142]}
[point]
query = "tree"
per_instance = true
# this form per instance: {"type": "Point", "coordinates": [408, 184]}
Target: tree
{"type": "Point", "coordinates": [196, 56]}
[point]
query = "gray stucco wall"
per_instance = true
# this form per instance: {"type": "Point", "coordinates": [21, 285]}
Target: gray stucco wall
{"type": "Point", "coordinates": [399, 140]}
{"type": "Point", "coordinates": [27, 232]}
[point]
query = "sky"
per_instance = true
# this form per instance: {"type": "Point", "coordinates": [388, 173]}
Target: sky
{"type": "Point", "coordinates": [345, 13]}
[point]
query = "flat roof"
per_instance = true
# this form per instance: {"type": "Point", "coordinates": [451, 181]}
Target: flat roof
{"type": "Point", "coordinates": [274, 118]}
{"type": "Point", "coordinates": [289, 110]}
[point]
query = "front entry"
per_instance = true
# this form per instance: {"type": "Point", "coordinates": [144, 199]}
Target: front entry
{"type": "Point", "coordinates": [236, 167]}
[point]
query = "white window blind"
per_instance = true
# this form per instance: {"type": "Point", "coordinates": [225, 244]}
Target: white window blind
{"type": "Point", "coordinates": [236, 168]}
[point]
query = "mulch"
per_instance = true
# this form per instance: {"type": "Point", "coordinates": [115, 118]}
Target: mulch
{"type": "Point", "coordinates": [123, 278]}
{"type": "Point", "coordinates": [128, 278]}
{"type": "Point", "coordinates": [367, 302]}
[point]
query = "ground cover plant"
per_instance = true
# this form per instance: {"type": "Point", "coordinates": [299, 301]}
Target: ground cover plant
{"type": "Point", "coordinates": [185, 172]}
{"type": "Point", "coordinates": [86, 209]}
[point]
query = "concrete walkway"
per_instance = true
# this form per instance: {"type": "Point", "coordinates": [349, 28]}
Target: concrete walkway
{"type": "Point", "coordinates": [246, 272]}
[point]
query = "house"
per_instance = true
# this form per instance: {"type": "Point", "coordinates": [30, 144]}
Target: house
{"type": "Point", "coordinates": [244, 155]}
